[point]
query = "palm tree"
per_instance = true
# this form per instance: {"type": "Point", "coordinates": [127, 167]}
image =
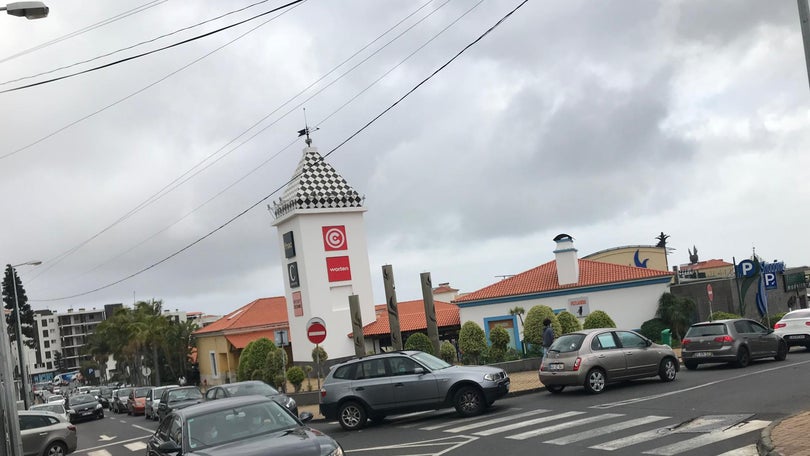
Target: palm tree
{"type": "Point", "coordinates": [677, 312]}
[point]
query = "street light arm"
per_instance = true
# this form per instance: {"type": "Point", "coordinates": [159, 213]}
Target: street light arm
{"type": "Point", "coordinates": [29, 10]}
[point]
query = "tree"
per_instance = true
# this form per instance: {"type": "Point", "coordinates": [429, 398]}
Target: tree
{"type": "Point", "coordinates": [568, 322]}
{"type": "Point", "coordinates": [296, 376]}
{"type": "Point", "coordinates": [253, 360]}
{"type": "Point", "coordinates": [534, 324]}
{"type": "Point", "coordinates": [677, 312]}
{"type": "Point", "coordinates": [419, 341]}
{"type": "Point", "coordinates": [598, 319]}
{"type": "Point", "coordinates": [26, 313]}
{"type": "Point", "coordinates": [471, 341]}
{"type": "Point", "coordinates": [319, 356]}
{"type": "Point", "coordinates": [499, 338]}
{"type": "Point", "coordinates": [447, 352]}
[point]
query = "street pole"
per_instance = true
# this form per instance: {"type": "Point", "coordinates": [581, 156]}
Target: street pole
{"type": "Point", "coordinates": [23, 379]}
{"type": "Point", "coordinates": [11, 425]}
{"type": "Point", "coordinates": [804, 19]}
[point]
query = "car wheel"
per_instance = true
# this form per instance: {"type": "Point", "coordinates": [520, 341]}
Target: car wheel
{"type": "Point", "coordinates": [595, 381]}
{"type": "Point", "coordinates": [555, 389]}
{"type": "Point", "coordinates": [691, 365]}
{"type": "Point", "coordinates": [469, 401]}
{"type": "Point", "coordinates": [781, 352]}
{"type": "Point", "coordinates": [743, 357]}
{"type": "Point", "coordinates": [667, 370]}
{"type": "Point", "coordinates": [56, 449]}
{"type": "Point", "coordinates": [352, 416]}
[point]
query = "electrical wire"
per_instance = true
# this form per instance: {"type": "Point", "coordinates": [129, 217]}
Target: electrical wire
{"type": "Point", "coordinates": [134, 45]}
{"type": "Point", "coordinates": [154, 51]}
{"type": "Point", "coordinates": [86, 29]}
{"type": "Point", "coordinates": [296, 176]}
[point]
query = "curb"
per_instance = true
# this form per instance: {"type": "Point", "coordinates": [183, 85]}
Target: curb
{"type": "Point", "coordinates": [765, 445]}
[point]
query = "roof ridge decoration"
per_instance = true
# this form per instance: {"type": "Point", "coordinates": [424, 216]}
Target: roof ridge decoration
{"type": "Point", "coordinates": [316, 185]}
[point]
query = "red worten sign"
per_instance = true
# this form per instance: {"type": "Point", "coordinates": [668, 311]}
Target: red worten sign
{"type": "Point", "coordinates": [338, 269]}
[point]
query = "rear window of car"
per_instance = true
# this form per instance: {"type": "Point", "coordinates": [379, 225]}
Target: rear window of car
{"type": "Point", "coordinates": [718, 329]}
{"type": "Point", "coordinates": [797, 314]}
{"type": "Point", "coordinates": [345, 372]}
{"type": "Point", "coordinates": [567, 343]}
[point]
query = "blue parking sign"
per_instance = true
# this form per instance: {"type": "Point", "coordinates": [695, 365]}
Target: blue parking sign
{"type": "Point", "coordinates": [770, 280]}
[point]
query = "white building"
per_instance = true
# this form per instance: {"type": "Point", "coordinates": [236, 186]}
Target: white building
{"type": "Point", "coordinates": [322, 239]}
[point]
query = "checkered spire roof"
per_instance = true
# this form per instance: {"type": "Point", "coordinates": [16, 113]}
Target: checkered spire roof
{"type": "Point", "coordinates": [316, 185]}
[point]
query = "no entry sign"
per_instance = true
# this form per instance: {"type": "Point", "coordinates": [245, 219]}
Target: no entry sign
{"type": "Point", "coordinates": [316, 330]}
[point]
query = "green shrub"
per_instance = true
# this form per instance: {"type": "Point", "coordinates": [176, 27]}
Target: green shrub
{"type": "Point", "coordinates": [512, 355]}
{"type": "Point", "coordinates": [769, 320]}
{"type": "Point", "coordinates": [253, 359]}
{"type": "Point", "coordinates": [495, 355]}
{"type": "Point", "coordinates": [598, 319]}
{"type": "Point", "coordinates": [651, 329]}
{"type": "Point", "coordinates": [319, 356]}
{"type": "Point", "coordinates": [296, 376]}
{"type": "Point", "coordinates": [533, 325]}
{"type": "Point", "coordinates": [447, 352]}
{"type": "Point", "coordinates": [472, 341]}
{"type": "Point", "coordinates": [568, 322]}
{"type": "Point", "coordinates": [499, 338]}
{"type": "Point", "coordinates": [421, 342]}
{"type": "Point", "coordinates": [723, 316]}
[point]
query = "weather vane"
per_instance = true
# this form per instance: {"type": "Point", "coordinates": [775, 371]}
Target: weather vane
{"type": "Point", "coordinates": [306, 130]}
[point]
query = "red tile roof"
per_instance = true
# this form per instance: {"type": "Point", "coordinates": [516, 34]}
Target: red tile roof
{"type": "Point", "coordinates": [259, 313]}
{"type": "Point", "coordinates": [543, 278]}
{"type": "Point", "coordinates": [708, 264]}
{"type": "Point", "coordinates": [242, 339]}
{"type": "Point", "coordinates": [412, 317]}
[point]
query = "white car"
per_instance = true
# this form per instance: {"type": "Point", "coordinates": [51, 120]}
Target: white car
{"type": "Point", "coordinates": [53, 407]}
{"type": "Point", "coordinates": [794, 328]}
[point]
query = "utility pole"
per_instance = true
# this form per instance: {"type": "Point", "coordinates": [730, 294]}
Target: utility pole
{"type": "Point", "coordinates": [804, 19]}
{"type": "Point", "coordinates": [10, 424]}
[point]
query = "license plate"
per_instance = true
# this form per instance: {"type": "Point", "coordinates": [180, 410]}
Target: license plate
{"type": "Point", "coordinates": [702, 354]}
{"type": "Point", "coordinates": [796, 337]}
{"type": "Point", "coordinates": [556, 366]}
{"type": "Point", "coordinates": [86, 413]}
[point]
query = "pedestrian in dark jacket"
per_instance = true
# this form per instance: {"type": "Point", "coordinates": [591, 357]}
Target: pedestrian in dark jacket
{"type": "Point", "coordinates": [548, 335]}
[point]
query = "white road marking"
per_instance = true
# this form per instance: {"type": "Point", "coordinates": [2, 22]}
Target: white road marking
{"type": "Point", "coordinates": [99, 453]}
{"type": "Point", "coordinates": [115, 443]}
{"type": "Point", "coordinates": [467, 420]}
{"type": "Point", "coordinates": [105, 438]}
{"type": "Point", "coordinates": [633, 439]}
{"type": "Point", "coordinates": [150, 431]}
{"type": "Point", "coordinates": [510, 427]}
{"type": "Point", "coordinates": [670, 393]}
{"type": "Point", "coordinates": [606, 430]}
{"type": "Point", "coordinates": [566, 425]}
{"type": "Point", "coordinates": [136, 446]}
{"type": "Point", "coordinates": [451, 443]}
{"type": "Point", "coordinates": [494, 421]}
{"type": "Point", "coordinates": [709, 437]}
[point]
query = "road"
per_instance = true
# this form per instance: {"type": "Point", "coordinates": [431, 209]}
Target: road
{"type": "Point", "coordinates": [716, 410]}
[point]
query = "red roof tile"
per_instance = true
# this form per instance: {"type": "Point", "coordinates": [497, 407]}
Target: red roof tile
{"type": "Point", "coordinates": [708, 264]}
{"type": "Point", "coordinates": [543, 278]}
{"type": "Point", "coordinates": [259, 313]}
{"type": "Point", "coordinates": [412, 317]}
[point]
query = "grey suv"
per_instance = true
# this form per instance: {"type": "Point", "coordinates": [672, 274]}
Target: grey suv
{"type": "Point", "coordinates": [736, 341]}
{"type": "Point", "coordinates": [406, 381]}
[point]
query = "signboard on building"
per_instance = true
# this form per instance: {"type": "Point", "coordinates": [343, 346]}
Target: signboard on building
{"type": "Point", "coordinates": [289, 244]}
{"type": "Point", "coordinates": [298, 304]}
{"type": "Point", "coordinates": [579, 307]}
{"type": "Point", "coordinates": [292, 275]}
{"type": "Point", "coordinates": [338, 269]}
{"type": "Point", "coordinates": [334, 238]}
{"type": "Point", "coordinates": [795, 281]}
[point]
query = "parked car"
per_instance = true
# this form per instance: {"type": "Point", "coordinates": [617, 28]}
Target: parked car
{"type": "Point", "coordinates": [56, 398]}
{"type": "Point", "coordinates": [136, 401]}
{"type": "Point", "coordinates": [249, 388]}
{"type": "Point", "coordinates": [118, 404]}
{"type": "Point", "coordinates": [152, 401]}
{"type": "Point", "coordinates": [794, 328]}
{"type": "Point", "coordinates": [592, 358]}
{"type": "Point", "coordinates": [406, 381]}
{"type": "Point", "coordinates": [46, 433]}
{"type": "Point", "coordinates": [84, 406]}
{"type": "Point", "coordinates": [248, 425]}
{"type": "Point", "coordinates": [736, 341]}
{"type": "Point", "coordinates": [53, 407]}
{"type": "Point", "coordinates": [178, 398]}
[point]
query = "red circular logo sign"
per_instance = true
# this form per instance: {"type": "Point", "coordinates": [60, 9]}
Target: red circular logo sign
{"type": "Point", "coordinates": [316, 332]}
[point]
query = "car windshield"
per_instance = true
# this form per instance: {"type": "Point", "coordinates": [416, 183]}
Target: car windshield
{"type": "Point", "coordinates": [567, 343]}
{"type": "Point", "coordinates": [717, 329]}
{"type": "Point", "coordinates": [185, 394]}
{"type": "Point", "coordinates": [433, 363]}
{"type": "Point", "coordinates": [238, 423]}
{"type": "Point", "coordinates": [141, 392]}
{"type": "Point", "coordinates": [246, 389]}
{"type": "Point", "coordinates": [55, 408]}
{"type": "Point", "coordinates": [797, 314]}
{"type": "Point", "coordinates": [81, 399]}
{"type": "Point", "coordinates": [123, 392]}
{"type": "Point", "coordinates": [55, 398]}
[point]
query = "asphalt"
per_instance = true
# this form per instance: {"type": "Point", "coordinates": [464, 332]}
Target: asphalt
{"type": "Point", "coordinates": [785, 437]}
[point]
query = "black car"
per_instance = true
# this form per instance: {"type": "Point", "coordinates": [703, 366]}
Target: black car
{"type": "Point", "coordinates": [84, 407]}
{"type": "Point", "coordinates": [249, 388]}
{"type": "Point", "coordinates": [245, 426]}
{"type": "Point", "coordinates": [118, 404]}
{"type": "Point", "coordinates": [178, 398]}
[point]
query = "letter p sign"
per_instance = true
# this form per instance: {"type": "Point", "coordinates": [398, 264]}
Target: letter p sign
{"type": "Point", "coordinates": [770, 280]}
{"type": "Point", "coordinates": [747, 268]}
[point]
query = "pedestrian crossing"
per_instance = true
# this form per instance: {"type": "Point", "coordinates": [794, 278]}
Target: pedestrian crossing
{"type": "Point", "coordinates": [649, 435]}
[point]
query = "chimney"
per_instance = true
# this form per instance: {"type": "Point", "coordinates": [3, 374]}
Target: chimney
{"type": "Point", "coordinates": [565, 256]}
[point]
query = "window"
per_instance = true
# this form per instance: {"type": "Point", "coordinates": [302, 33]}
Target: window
{"type": "Point", "coordinates": [346, 372]}
{"type": "Point", "coordinates": [630, 340]}
{"type": "Point", "coordinates": [44, 333]}
{"type": "Point", "coordinates": [47, 355]}
{"type": "Point", "coordinates": [757, 328]}
{"type": "Point", "coordinates": [373, 368]}
{"type": "Point", "coordinates": [604, 341]}
{"type": "Point", "coordinates": [742, 326]}
{"type": "Point", "coordinates": [50, 365]}
{"type": "Point", "coordinates": [44, 322]}
{"type": "Point", "coordinates": [46, 344]}
{"type": "Point", "coordinates": [401, 365]}
{"type": "Point", "coordinates": [214, 364]}
{"type": "Point", "coordinates": [717, 329]}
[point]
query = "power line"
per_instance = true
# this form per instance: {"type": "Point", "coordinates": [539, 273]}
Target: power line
{"type": "Point", "coordinates": [134, 45]}
{"type": "Point", "coordinates": [148, 86]}
{"type": "Point", "coordinates": [144, 54]}
{"type": "Point", "coordinates": [81, 31]}
{"type": "Point", "coordinates": [177, 182]}
{"type": "Point", "coordinates": [341, 144]}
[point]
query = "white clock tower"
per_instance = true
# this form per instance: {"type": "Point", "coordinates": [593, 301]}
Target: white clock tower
{"type": "Point", "coordinates": [323, 250]}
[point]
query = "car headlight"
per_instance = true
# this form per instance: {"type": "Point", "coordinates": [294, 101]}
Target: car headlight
{"type": "Point", "coordinates": [329, 451]}
{"type": "Point", "coordinates": [493, 377]}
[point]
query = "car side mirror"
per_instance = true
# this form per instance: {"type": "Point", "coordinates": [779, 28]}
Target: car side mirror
{"type": "Point", "coordinates": [305, 417]}
{"type": "Point", "coordinates": [419, 370]}
{"type": "Point", "coordinates": [169, 446]}
{"type": "Point", "coordinates": [649, 342]}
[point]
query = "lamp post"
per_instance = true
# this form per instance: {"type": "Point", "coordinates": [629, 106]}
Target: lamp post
{"type": "Point", "coordinates": [23, 366]}
{"type": "Point", "coordinates": [28, 10]}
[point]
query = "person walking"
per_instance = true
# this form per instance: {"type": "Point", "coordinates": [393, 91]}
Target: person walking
{"type": "Point", "coordinates": [548, 335]}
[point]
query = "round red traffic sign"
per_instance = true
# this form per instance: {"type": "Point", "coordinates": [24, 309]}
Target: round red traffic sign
{"type": "Point", "coordinates": [316, 332]}
{"type": "Point", "coordinates": [709, 291]}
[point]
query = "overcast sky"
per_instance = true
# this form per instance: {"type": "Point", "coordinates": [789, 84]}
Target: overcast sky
{"type": "Point", "coordinates": [608, 121]}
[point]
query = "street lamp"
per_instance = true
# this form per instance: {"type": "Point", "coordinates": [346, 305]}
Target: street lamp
{"type": "Point", "coordinates": [29, 10]}
{"type": "Point", "coordinates": [23, 374]}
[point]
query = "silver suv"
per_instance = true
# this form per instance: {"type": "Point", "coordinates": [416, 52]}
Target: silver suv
{"type": "Point", "coordinates": [406, 381]}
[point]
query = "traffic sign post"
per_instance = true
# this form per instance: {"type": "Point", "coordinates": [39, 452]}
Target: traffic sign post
{"type": "Point", "coordinates": [711, 298]}
{"type": "Point", "coordinates": [316, 333]}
